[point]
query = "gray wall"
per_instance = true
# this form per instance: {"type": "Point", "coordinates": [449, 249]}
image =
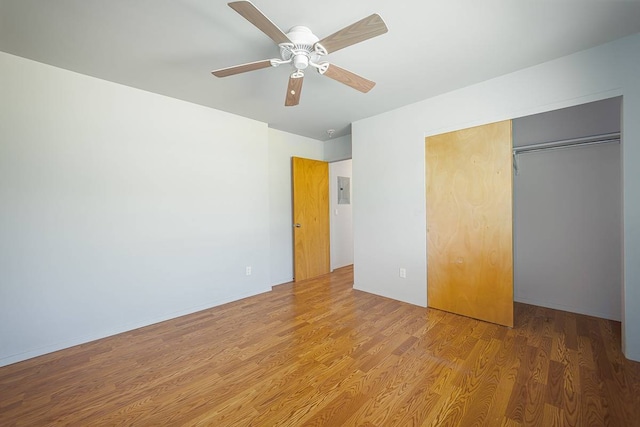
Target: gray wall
{"type": "Point", "coordinates": [568, 213]}
{"type": "Point", "coordinates": [283, 146]}
{"type": "Point", "coordinates": [120, 208]}
{"type": "Point", "coordinates": [389, 215]}
{"type": "Point", "coordinates": [341, 217]}
{"type": "Point", "coordinates": [593, 118]}
{"type": "Point", "coordinates": [337, 149]}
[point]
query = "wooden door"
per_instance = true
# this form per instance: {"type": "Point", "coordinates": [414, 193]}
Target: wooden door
{"type": "Point", "coordinates": [311, 251]}
{"type": "Point", "coordinates": [469, 222]}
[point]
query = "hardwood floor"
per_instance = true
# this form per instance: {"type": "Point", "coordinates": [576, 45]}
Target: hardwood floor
{"type": "Point", "coordinates": [320, 353]}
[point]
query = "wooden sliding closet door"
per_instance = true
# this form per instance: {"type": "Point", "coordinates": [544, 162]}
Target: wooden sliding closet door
{"type": "Point", "coordinates": [469, 222]}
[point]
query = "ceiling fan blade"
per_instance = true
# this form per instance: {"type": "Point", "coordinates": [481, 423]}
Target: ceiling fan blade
{"type": "Point", "coordinates": [364, 29]}
{"type": "Point", "coordinates": [257, 18]}
{"type": "Point", "coordinates": [251, 66]}
{"type": "Point", "coordinates": [348, 78]}
{"type": "Point", "coordinates": [293, 91]}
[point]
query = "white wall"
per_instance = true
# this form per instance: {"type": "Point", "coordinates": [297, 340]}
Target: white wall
{"type": "Point", "coordinates": [389, 168]}
{"type": "Point", "coordinates": [120, 208]}
{"type": "Point", "coordinates": [341, 217]}
{"type": "Point", "coordinates": [283, 146]}
{"type": "Point", "coordinates": [337, 149]}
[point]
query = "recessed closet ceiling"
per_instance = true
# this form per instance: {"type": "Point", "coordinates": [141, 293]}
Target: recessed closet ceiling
{"type": "Point", "coordinates": [432, 47]}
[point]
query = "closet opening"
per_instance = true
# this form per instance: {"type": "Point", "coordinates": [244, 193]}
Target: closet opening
{"type": "Point", "coordinates": [567, 209]}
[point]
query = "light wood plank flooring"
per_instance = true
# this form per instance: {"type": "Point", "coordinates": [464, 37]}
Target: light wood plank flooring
{"type": "Point", "coordinates": [320, 353]}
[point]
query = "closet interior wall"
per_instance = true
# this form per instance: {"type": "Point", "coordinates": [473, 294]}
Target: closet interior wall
{"type": "Point", "coordinates": [568, 212]}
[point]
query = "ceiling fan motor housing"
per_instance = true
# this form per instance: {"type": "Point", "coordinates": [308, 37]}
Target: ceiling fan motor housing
{"type": "Point", "coordinates": [301, 50]}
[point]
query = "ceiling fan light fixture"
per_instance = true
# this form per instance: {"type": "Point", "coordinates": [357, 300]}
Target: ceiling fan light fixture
{"type": "Point", "coordinates": [301, 61]}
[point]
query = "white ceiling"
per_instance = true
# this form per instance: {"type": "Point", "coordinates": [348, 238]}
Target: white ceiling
{"type": "Point", "coordinates": [432, 47]}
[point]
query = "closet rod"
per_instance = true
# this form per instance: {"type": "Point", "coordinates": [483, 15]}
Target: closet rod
{"type": "Point", "coordinates": [586, 140]}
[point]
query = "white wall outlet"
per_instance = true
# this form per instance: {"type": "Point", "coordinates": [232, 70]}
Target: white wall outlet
{"type": "Point", "coordinates": [248, 270]}
{"type": "Point", "coordinates": [403, 273]}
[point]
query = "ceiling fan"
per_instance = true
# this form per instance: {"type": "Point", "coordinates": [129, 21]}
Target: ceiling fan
{"type": "Point", "coordinates": [301, 48]}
